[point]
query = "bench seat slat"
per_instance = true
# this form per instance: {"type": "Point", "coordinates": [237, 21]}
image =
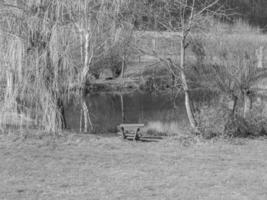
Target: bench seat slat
{"type": "Point", "coordinates": [132, 125]}
{"type": "Point", "coordinates": [145, 137]}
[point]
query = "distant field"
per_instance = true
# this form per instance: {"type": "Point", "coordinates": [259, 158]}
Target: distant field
{"type": "Point", "coordinates": [166, 44]}
{"type": "Point", "coordinates": [90, 167]}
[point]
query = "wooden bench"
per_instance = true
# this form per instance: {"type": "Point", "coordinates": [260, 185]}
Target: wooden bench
{"type": "Point", "coordinates": [133, 132]}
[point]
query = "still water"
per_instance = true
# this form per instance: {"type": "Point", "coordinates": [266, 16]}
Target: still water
{"type": "Point", "coordinates": [108, 110]}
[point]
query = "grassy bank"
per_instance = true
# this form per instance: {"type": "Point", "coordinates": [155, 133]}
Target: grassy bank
{"type": "Point", "coordinates": [96, 167]}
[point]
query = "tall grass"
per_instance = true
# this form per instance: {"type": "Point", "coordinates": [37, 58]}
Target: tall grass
{"type": "Point", "coordinates": [166, 128]}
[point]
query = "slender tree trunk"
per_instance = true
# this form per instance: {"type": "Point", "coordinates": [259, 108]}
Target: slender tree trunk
{"type": "Point", "coordinates": [85, 110]}
{"type": "Point", "coordinates": [83, 81]}
{"type": "Point", "coordinates": [85, 115]}
{"type": "Point", "coordinates": [122, 108]}
{"type": "Point", "coordinates": [185, 87]}
{"type": "Point", "coordinates": [155, 22]}
{"type": "Point", "coordinates": [61, 109]}
{"type": "Point", "coordinates": [123, 67]}
{"type": "Point", "coordinates": [234, 105]}
{"type": "Point", "coordinates": [9, 86]}
{"type": "Point", "coordinates": [247, 105]}
{"type": "Point", "coordinates": [259, 55]}
{"type": "Point", "coordinates": [53, 94]}
{"type": "Point", "coordinates": [86, 59]}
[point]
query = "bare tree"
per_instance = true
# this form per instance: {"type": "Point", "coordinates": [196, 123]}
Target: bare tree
{"type": "Point", "coordinates": [238, 78]}
{"type": "Point", "coordinates": [185, 17]}
{"type": "Point", "coordinates": [98, 27]}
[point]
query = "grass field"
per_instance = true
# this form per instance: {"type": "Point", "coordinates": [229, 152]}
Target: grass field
{"type": "Point", "coordinates": [87, 167]}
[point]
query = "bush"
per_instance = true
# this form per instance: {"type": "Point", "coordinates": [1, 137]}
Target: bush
{"type": "Point", "coordinates": [257, 119]}
{"type": "Point", "coordinates": [221, 122]}
{"type": "Point", "coordinates": [111, 61]}
{"type": "Point", "coordinates": [211, 121]}
{"type": "Point", "coordinates": [237, 126]}
{"type": "Point", "coordinates": [158, 128]}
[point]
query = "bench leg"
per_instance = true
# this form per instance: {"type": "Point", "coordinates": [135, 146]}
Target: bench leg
{"type": "Point", "coordinates": [137, 136]}
{"type": "Point", "coordinates": [123, 133]}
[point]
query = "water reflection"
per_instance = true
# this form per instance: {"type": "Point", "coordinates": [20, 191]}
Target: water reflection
{"type": "Point", "coordinates": [108, 110]}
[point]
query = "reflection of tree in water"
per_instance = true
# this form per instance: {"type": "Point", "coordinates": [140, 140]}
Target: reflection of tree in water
{"type": "Point", "coordinates": [85, 118]}
{"type": "Point", "coordinates": [145, 107]}
{"type": "Point", "coordinates": [109, 110]}
{"type": "Point", "coordinates": [105, 110]}
{"type": "Point", "coordinates": [122, 109]}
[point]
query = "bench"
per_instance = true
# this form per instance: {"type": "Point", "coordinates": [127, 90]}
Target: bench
{"type": "Point", "coordinates": [131, 131]}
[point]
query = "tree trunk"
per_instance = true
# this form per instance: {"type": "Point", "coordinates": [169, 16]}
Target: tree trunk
{"type": "Point", "coordinates": [85, 115]}
{"type": "Point", "coordinates": [85, 110]}
{"type": "Point", "coordinates": [247, 105]}
{"type": "Point", "coordinates": [123, 67]}
{"type": "Point", "coordinates": [61, 109]}
{"type": "Point", "coordinates": [189, 112]}
{"type": "Point", "coordinates": [86, 59]}
{"type": "Point", "coordinates": [9, 86]}
{"type": "Point", "coordinates": [259, 55]}
{"type": "Point", "coordinates": [234, 105]}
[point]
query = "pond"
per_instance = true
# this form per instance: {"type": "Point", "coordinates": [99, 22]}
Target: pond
{"type": "Point", "coordinates": [108, 110]}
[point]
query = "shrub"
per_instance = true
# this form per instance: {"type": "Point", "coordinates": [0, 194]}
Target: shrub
{"type": "Point", "coordinates": [111, 61]}
{"type": "Point", "coordinates": [257, 119]}
{"type": "Point", "coordinates": [211, 121]}
{"type": "Point", "coordinates": [157, 128]}
{"type": "Point", "coordinates": [220, 121]}
{"type": "Point", "coordinates": [236, 126]}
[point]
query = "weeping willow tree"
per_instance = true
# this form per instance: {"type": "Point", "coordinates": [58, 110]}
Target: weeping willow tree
{"type": "Point", "coordinates": [12, 52]}
{"type": "Point", "coordinates": [37, 36]}
{"type": "Point", "coordinates": [49, 47]}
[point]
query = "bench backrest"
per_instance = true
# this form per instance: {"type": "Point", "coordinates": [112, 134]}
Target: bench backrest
{"type": "Point", "coordinates": [131, 126]}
